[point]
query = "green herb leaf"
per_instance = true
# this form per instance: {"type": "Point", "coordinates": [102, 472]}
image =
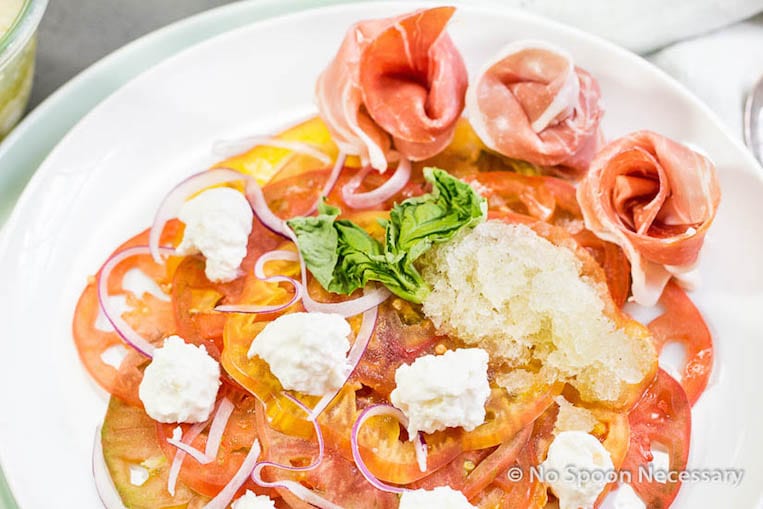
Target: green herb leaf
{"type": "Point", "coordinates": [343, 257]}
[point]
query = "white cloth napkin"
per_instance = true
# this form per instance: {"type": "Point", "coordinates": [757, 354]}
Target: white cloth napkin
{"type": "Point", "coordinates": [643, 25]}
{"type": "Point", "coordinates": [720, 67]}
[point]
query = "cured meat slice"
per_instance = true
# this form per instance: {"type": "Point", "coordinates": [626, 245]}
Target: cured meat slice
{"type": "Point", "coordinates": [656, 198]}
{"type": "Point", "coordinates": [531, 103]}
{"type": "Point", "coordinates": [394, 83]}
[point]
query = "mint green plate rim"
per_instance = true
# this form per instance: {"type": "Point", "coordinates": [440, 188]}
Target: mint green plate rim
{"type": "Point", "coordinates": [22, 152]}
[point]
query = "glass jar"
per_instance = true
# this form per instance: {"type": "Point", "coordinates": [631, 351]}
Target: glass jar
{"type": "Point", "coordinates": [17, 57]}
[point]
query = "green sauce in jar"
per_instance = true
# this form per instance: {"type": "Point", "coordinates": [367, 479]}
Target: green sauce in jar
{"type": "Point", "coordinates": [16, 66]}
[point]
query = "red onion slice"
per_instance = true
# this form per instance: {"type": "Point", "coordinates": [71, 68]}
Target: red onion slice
{"type": "Point", "coordinates": [180, 455]}
{"type": "Point", "coordinates": [193, 452]}
{"type": "Point", "coordinates": [225, 496]}
{"type": "Point", "coordinates": [255, 309]}
{"type": "Point", "coordinates": [259, 273]}
{"type": "Point", "coordinates": [104, 485]}
{"type": "Point", "coordinates": [127, 333]}
{"type": "Point", "coordinates": [263, 212]}
{"type": "Point", "coordinates": [296, 488]}
{"type": "Point", "coordinates": [230, 148]}
{"type": "Point", "coordinates": [384, 192]}
{"type": "Point", "coordinates": [331, 182]}
{"type": "Point", "coordinates": [383, 410]}
{"type": "Point", "coordinates": [365, 332]}
{"type": "Point", "coordinates": [224, 410]}
{"type": "Point", "coordinates": [277, 255]}
{"type": "Point", "coordinates": [175, 199]}
{"type": "Point", "coordinates": [370, 299]}
{"type": "Point", "coordinates": [216, 429]}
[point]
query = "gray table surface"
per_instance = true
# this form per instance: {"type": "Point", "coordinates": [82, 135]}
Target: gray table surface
{"type": "Point", "coordinates": [76, 33]}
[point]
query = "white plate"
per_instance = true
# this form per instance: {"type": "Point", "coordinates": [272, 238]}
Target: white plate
{"type": "Point", "coordinates": [103, 182]}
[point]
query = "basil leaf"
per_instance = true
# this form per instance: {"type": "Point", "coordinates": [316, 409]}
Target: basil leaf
{"type": "Point", "coordinates": [343, 257]}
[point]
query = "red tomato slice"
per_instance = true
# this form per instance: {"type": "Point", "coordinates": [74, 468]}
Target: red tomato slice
{"type": "Point", "coordinates": [612, 259]}
{"type": "Point", "coordinates": [527, 490]}
{"type": "Point", "coordinates": [499, 460]}
{"type": "Point", "coordinates": [336, 478]}
{"type": "Point", "coordinates": [150, 316]}
{"type": "Point", "coordinates": [239, 434]}
{"type": "Point", "coordinates": [416, 186]}
{"type": "Point", "coordinates": [506, 415]}
{"type": "Point", "coordinates": [662, 417]}
{"type": "Point", "coordinates": [129, 439]}
{"type": "Point", "coordinates": [401, 335]}
{"type": "Point", "coordinates": [455, 473]}
{"type": "Point", "coordinates": [385, 449]}
{"type": "Point", "coordinates": [194, 298]}
{"type": "Point", "coordinates": [297, 194]}
{"type": "Point", "coordinates": [493, 497]}
{"type": "Point", "coordinates": [547, 199]}
{"type": "Point", "coordinates": [682, 322]}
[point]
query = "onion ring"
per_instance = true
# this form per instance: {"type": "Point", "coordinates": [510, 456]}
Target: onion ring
{"type": "Point", "coordinates": [127, 333]}
{"type": "Point", "coordinates": [374, 411]}
{"type": "Point", "coordinates": [384, 192]}
{"type": "Point", "coordinates": [175, 199]}
{"type": "Point", "coordinates": [259, 273]}
{"type": "Point", "coordinates": [296, 488]}
{"type": "Point", "coordinates": [365, 332]}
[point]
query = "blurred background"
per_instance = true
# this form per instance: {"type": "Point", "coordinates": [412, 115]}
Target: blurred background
{"type": "Point", "coordinates": [76, 33]}
{"type": "Point", "coordinates": [713, 46]}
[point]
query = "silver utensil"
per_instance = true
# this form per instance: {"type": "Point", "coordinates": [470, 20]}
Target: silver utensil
{"type": "Point", "coordinates": [753, 120]}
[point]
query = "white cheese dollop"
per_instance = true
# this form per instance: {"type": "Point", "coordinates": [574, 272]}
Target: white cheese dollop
{"type": "Point", "coordinates": [180, 384]}
{"type": "Point", "coordinates": [572, 456]}
{"type": "Point", "coordinates": [443, 391]}
{"type": "Point", "coordinates": [251, 501]}
{"type": "Point", "coordinates": [217, 224]}
{"type": "Point", "coordinates": [307, 352]}
{"type": "Point", "coordinates": [442, 497]}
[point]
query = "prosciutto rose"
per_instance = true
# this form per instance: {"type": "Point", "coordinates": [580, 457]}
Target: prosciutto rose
{"type": "Point", "coordinates": [656, 198]}
{"type": "Point", "coordinates": [395, 83]}
{"type": "Point", "coordinates": [531, 103]}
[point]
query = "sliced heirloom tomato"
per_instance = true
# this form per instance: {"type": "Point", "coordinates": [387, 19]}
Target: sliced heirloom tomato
{"type": "Point", "coordinates": [613, 431]}
{"type": "Point", "coordinates": [237, 438]}
{"type": "Point", "coordinates": [455, 473]}
{"type": "Point", "coordinates": [400, 336]}
{"type": "Point", "coordinates": [129, 441]}
{"type": "Point", "coordinates": [662, 418]}
{"type": "Point", "coordinates": [335, 478]}
{"type": "Point", "coordinates": [383, 444]}
{"type": "Point", "coordinates": [254, 374]}
{"type": "Point", "coordinates": [497, 461]}
{"type": "Point", "coordinates": [268, 163]}
{"type": "Point", "coordinates": [507, 415]}
{"type": "Point", "coordinates": [546, 199]}
{"type": "Point", "coordinates": [194, 298]}
{"type": "Point", "coordinates": [150, 316]}
{"type": "Point", "coordinates": [683, 323]}
{"type": "Point", "coordinates": [526, 490]}
{"type": "Point", "coordinates": [613, 261]}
